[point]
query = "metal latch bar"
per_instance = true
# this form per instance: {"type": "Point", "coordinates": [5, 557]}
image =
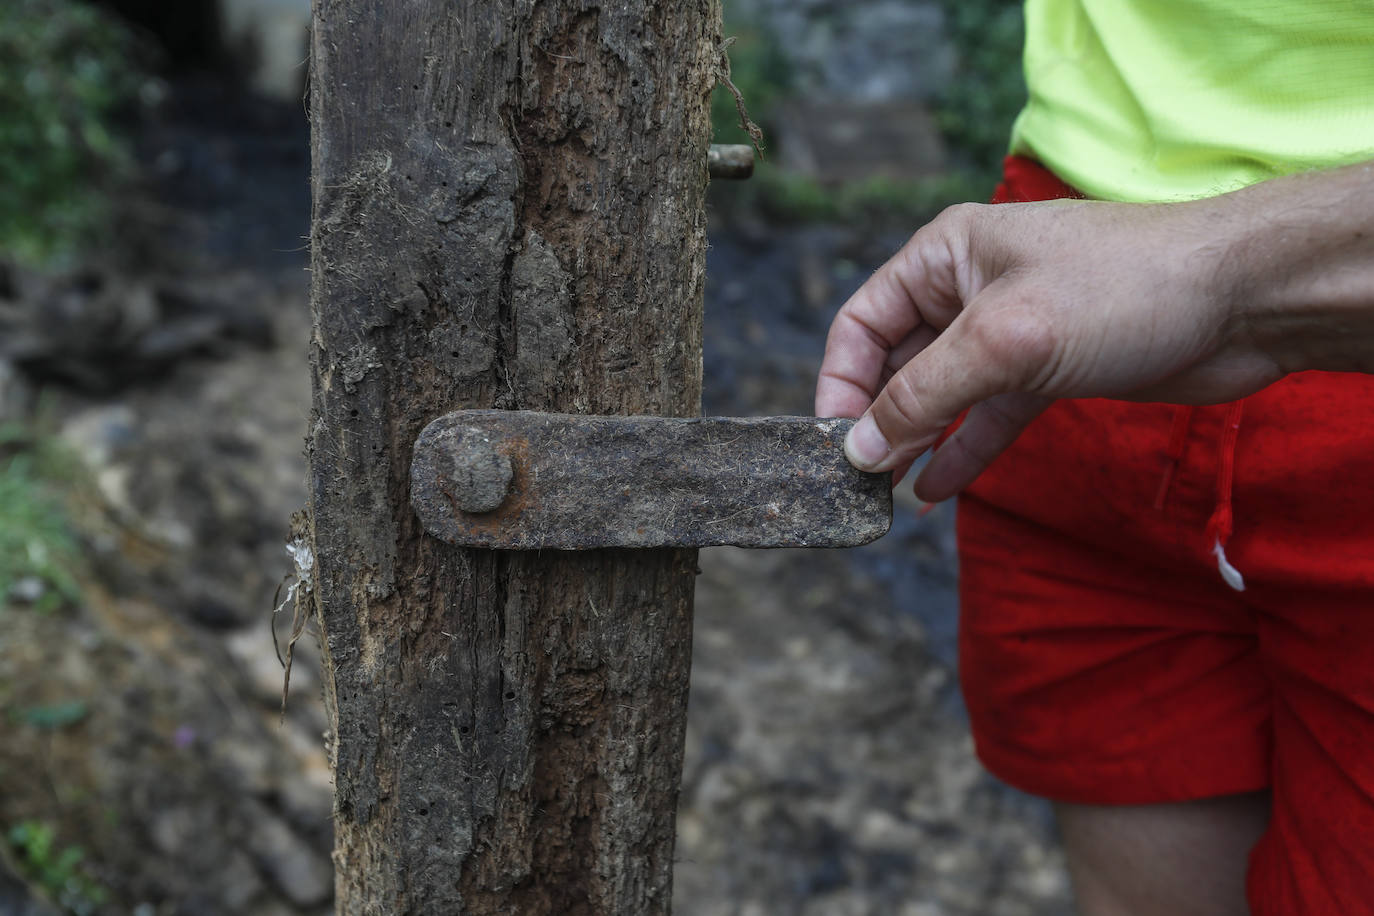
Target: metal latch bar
{"type": "Point", "coordinates": [523, 480]}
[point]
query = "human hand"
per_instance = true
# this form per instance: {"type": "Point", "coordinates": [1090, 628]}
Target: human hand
{"type": "Point", "coordinates": [1000, 309]}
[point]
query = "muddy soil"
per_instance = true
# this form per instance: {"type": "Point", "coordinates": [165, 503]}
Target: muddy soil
{"type": "Point", "coordinates": [828, 766]}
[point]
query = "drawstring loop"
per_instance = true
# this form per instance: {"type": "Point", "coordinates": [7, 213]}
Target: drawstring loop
{"type": "Point", "coordinates": [1220, 525]}
{"type": "Point", "coordinates": [1222, 522]}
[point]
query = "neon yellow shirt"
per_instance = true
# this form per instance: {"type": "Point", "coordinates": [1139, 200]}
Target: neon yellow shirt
{"type": "Point", "coordinates": [1151, 100]}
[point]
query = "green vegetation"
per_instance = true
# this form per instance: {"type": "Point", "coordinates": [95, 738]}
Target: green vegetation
{"type": "Point", "coordinates": [36, 535]}
{"type": "Point", "coordinates": [988, 89]}
{"type": "Point", "coordinates": [58, 871]}
{"type": "Point", "coordinates": [788, 197]}
{"type": "Point", "coordinates": [66, 71]}
{"type": "Point", "coordinates": [760, 70]}
{"type": "Point", "coordinates": [974, 115]}
{"type": "Point", "coordinates": [55, 715]}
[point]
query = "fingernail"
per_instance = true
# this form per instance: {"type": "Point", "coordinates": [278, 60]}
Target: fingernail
{"type": "Point", "coordinates": [865, 446]}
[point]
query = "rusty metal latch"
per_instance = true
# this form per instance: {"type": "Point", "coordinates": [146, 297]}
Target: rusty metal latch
{"type": "Point", "coordinates": [521, 480]}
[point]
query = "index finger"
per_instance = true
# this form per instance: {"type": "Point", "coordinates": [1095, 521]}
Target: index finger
{"type": "Point", "coordinates": [895, 313]}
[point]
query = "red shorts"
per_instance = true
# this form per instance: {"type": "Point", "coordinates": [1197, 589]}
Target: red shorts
{"type": "Point", "coordinates": [1105, 659]}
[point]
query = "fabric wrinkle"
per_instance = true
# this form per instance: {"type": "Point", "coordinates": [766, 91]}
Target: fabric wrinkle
{"type": "Point", "coordinates": [1178, 439]}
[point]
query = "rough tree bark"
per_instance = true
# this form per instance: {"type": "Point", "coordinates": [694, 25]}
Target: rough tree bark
{"type": "Point", "coordinates": [508, 212]}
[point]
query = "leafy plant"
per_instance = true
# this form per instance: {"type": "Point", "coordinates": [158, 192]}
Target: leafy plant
{"type": "Point", "coordinates": [66, 69]}
{"type": "Point", "coordinates": [874, 201]}
{"type": "Point", "coordinates": [58, 871]}
{"type": "Point", "coordinates": [36, 539]}
{"type": "Point", "coordinates": [55, 715]}
{"type": "Point", "coordinates": [988, 89]}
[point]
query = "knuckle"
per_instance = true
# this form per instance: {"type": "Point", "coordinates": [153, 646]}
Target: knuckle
{"type": "Point", "coordinates": [1019, 341]}
{"type": "Point", "coordinates": [903, 402]}
{"type": "Point", "coordinates": [953, 222]}
{"type": "Point", "coordinates": [961, 213]}
{"type": "Point", "coordinates": [973, 453]}
{"type": "Point", "coordinates": [998, 415]}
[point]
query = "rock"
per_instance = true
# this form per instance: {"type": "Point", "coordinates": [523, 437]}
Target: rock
{"type": "Point", "coordinates": [240, 884]}
{"type": "Point", "coordinates": [268, 41]}
{"type": "Point", "coordinates": [102, 436]}
{"type": "Point", "coordinates": [826, 773]}
{"type": "Point", "coordinates": [172, 828]}
{"type": "Point", "coordinates": [218, 611]}
{"type": "Point", "coordinates": [198, 466]}
{"type": "Point", "coordinates": [248, 766]}
{"type": "Point", "coordinates": [16, 899]}
{"type": "Point", "coordinates": [101, 328]}
{"type": "Point", "coordinates": [263, 42]}
{"type": "Point", "coordinates": [16, 394]}
{"type": "Point", "coordinates": [28, 590]}
{"type": "Point", "coordinates": [252, 649]}
{"type": "Point", "coordinates": [297, 870]}
{"type": "Point", "coordinates": [307, 800]}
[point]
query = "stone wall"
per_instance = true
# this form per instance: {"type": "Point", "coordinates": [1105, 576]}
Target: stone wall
{"type": "Point", "coordinates": [864, 77]}
{"type": "Point", "coordinates": [261, 41]}
{"type": "Point", "coordinates": [267, 41]}
{"type": "Point", "coordinates": [873, 51]}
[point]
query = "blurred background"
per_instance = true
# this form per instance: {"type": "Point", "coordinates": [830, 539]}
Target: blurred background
{"type": "Point", "coordinates": [154, 212]}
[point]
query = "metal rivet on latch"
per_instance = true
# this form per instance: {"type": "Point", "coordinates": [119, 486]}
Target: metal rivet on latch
{"type": "Point", "coordinates": [479, 476]}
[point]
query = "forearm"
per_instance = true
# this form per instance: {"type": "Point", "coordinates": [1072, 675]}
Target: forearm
{"type": "Point", "coordinates": [999, 310]}
{"type": "Point", "coordinates": [1299, 267]}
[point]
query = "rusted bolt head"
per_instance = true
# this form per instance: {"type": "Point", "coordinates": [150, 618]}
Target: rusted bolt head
{"type": "Point", "coordinates": [479, 476]}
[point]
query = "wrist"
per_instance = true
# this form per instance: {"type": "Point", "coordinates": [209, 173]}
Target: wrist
{"type": "Point", "coordinates": [1298, 269]}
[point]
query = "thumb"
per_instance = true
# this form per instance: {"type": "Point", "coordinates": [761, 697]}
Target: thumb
{"type": "Point", "coordinates": [985, 352]}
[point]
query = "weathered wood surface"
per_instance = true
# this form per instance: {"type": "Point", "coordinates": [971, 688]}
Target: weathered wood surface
{"type": "Point", "coordinates": [508, 213]}
{"type": "Point", "coordinates": [532, 481]}
{"type": "Point", "coordinates": [731, 160]}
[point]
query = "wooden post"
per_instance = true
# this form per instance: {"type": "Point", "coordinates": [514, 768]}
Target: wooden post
{"type": "Point", "coordinates": [508, 212]}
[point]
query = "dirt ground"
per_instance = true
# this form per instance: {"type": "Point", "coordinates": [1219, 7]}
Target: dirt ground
{"type": "Point", "coordinates": [828, 766]}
